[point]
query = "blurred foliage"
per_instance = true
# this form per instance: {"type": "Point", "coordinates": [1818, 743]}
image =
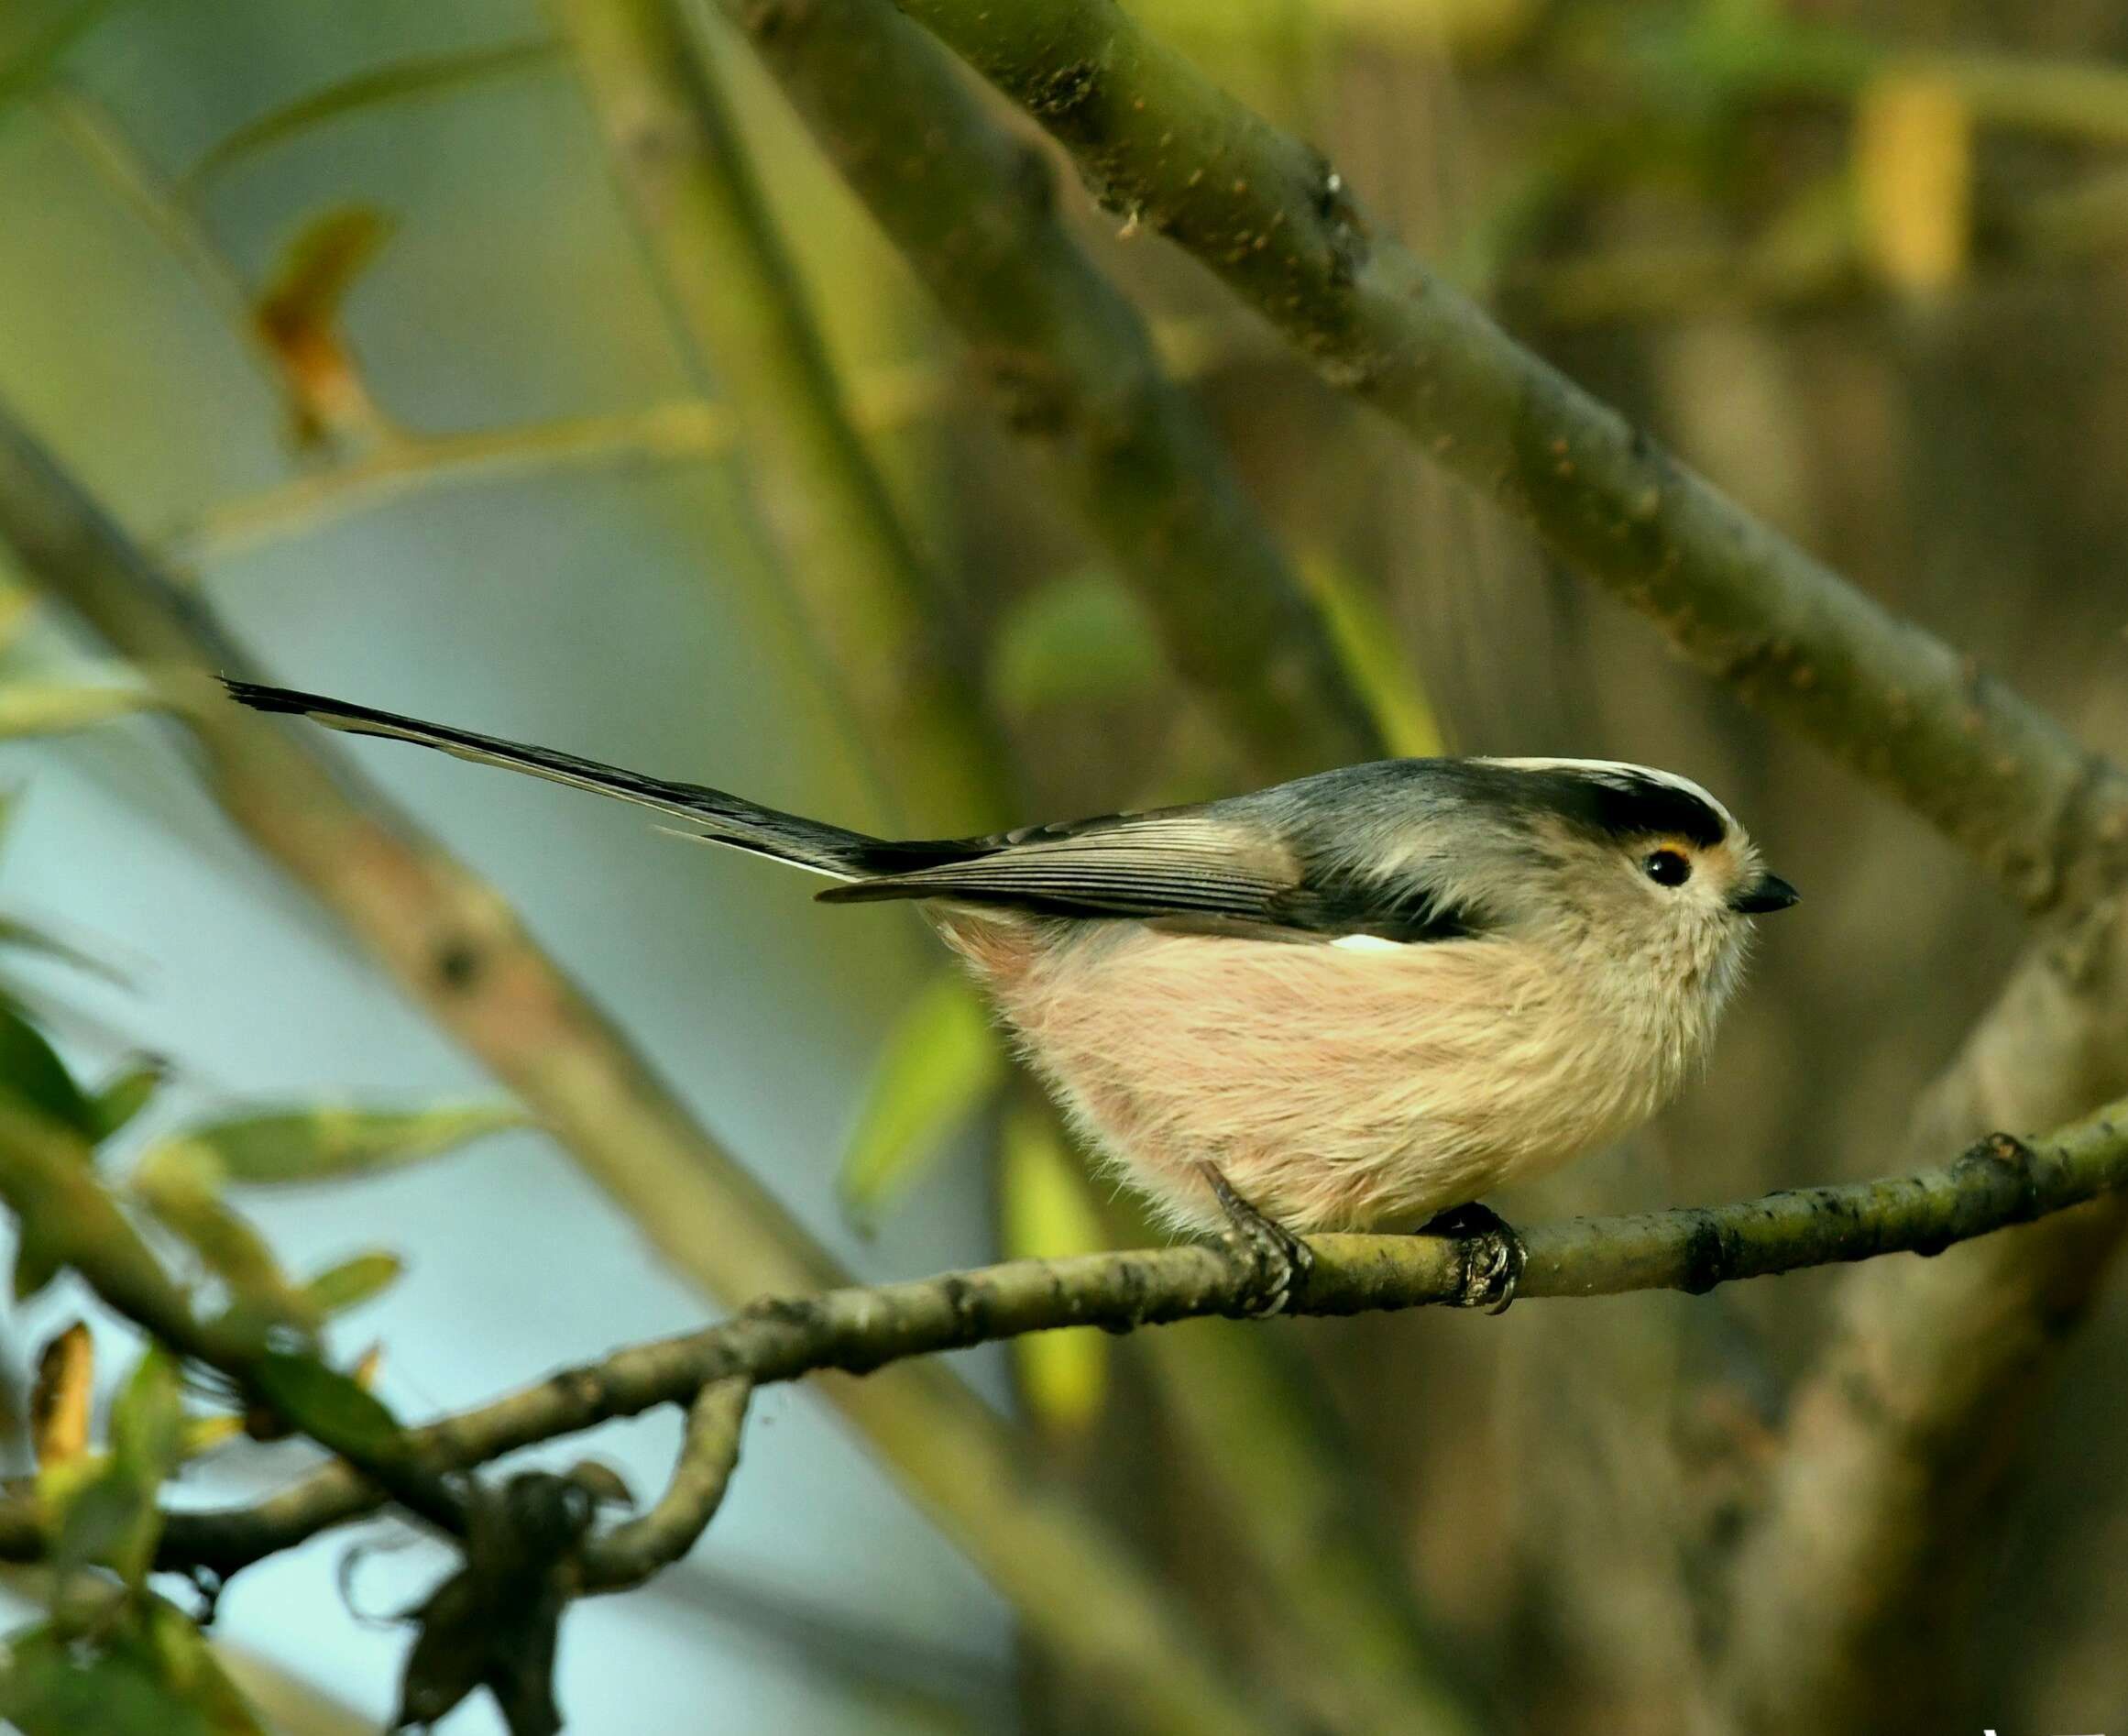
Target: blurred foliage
{"type": "Point", "coordinates": [1863, 262]}
{"type": "Point", "coordinates": [941, 1063]}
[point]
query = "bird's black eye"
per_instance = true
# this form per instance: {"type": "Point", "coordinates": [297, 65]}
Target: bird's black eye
{"type": "Point", "coordinates": [1667, 867]}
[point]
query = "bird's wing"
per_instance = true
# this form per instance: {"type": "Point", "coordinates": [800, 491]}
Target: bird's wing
{"type": "Point", "coordinates": [1186, 866]}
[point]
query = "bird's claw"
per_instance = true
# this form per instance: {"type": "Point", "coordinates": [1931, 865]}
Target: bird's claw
{"type": "Point", "coordinates": [1276, 1258]}
{"type": "Point", "coordinates": [1494, 1256]}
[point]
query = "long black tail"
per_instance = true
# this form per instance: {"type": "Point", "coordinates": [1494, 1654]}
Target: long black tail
{"type": "Point", "coordinates": [715, 816]}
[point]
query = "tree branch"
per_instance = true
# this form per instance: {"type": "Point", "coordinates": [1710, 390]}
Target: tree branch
{"type": "Point", "coordinates": [630, 1554]}
{"type": "Point", "coordinates": [457, 949]}
{"type": "Point", "coordinates": [972, 210]}
{"type": "Point", "coordinates": [867, 592]}
{"type": "Point", "coordinates": [47, 1179]}
{"type": "Point", "coordinates": [1998, 1183]}
{"type": "Point", "coordinates": [1157, 140]}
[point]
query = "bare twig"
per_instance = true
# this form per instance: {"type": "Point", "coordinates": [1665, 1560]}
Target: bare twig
{"type": "Point", "coordinates": [630, 1554]}
{"type": "Point", "coordinates": [868, 595]}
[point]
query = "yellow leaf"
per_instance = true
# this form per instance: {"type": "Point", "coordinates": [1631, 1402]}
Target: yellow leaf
{"type": "Point", "coordinates": [1913, 170]}
{"type": "Point", "coordinates": [1044, 1214]}
{"type": "Point", "coordinates": [1366, 641]}
{"type": "Point", "coordinates": [942, 1060]}
{"type": "Point", "coordinates": [59, 1403]}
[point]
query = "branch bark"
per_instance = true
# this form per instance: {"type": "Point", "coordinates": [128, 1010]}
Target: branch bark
{"type": "Point", "coordinates": [1157, 141]}
{"type": "Point", "coordinates": [630, 1554]}
{"type": "Point", "coordinates": [458, 951]}
{"type": "Point", "coordinates": [1072, 367]}
{"type": "Point", "coordinates": [866, 592]}
{"type": "Point", "coordinates": [1999, 1184]}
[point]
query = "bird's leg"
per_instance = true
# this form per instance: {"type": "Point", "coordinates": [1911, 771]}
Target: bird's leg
{"type": "Point", "coordinates": [1496, 1259]}
{"type": "Point", "coordinates": [1276, 1257]}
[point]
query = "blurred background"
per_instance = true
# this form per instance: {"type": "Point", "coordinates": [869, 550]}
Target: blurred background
{"type": "Point", "coordinates": [340, 311]}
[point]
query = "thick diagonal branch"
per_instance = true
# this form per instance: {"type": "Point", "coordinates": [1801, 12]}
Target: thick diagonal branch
{"type": "Point", "coordinates": [1157, 140]}
{"type": "Point", "coordinates": [459, 953]}
{"type": "Point", "coordinates": [972, 209]}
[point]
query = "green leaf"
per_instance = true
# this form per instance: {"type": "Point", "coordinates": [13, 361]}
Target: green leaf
{"type": "Point", "coordinates": [121, 1098]}
{"type": "Point", "coordinates": [353, 1282]}
{"type": "Point", "coordinates": [380, 86]}
{"type": "Point", "coordinates": [51, 707]}
{"type": "Point", "coordinates": [149, 1673]}
{"type": "Point", "coordinates": [148, 1420]}
{"type": "Point", "coordinates": [1044, 1214]}
{"type": "Point", "coordinates": [326, 1404]}
{"type": "Point", "coordinates": [180, 1180]}
{"type": "Point", "coordinates": [31, 1069]}
{"type": "Point", "coordinates": [327, 1143]}
{"type": "Point", "coordinates": [116, 1517]}
{"type": "Point", "coordinates": [942, 1059]}
{"type": "Point", "coordinates": [1083, 638]}
{"type": "Point", "coordinates": [1366, 642]}
{"type": "Point", "coordinates": [36, 60]}
{"type": "Point", "coordinates": [36, 1263]}
{"type": "Point", "coordinates": [53, 1685]}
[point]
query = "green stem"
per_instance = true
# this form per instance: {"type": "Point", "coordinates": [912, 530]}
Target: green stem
{"type": "Point", "coordinates": [870, 601]}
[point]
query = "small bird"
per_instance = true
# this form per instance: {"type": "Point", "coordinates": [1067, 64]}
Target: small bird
{"type": "Point", "coordinates": [1359, 1000]}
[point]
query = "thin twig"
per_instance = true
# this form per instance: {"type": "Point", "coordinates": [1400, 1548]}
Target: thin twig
{"type": "Point", "coordinates": [868, 594]}
{"type": "Point", "coordinates": [629, 1554]}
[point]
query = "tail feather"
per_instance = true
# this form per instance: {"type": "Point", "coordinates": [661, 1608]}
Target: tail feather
{"type": "Point", "coordinates": [711, 813]}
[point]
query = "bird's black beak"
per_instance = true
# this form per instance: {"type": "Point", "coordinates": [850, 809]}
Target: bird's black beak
{"type": "Point", "coordinates": [1768, 892]}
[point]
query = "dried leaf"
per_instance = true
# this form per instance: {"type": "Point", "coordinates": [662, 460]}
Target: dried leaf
{"type": "Point", "coordinates": [61, 1397]}
{"type": "Point", "coordinates": [1044, 1214]}
{"type": "Point", "coordinates": [328, 1143]}
{"type": "Point", "coordinates": [299, 321]}
{"type": "Point", "coordinates": [942, 1059]}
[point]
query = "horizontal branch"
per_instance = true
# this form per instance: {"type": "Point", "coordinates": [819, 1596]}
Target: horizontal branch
{"type": "Point", "coordinates": [1999, 1183]}
{"type": "Point", "coordinates": [1158, 141]}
